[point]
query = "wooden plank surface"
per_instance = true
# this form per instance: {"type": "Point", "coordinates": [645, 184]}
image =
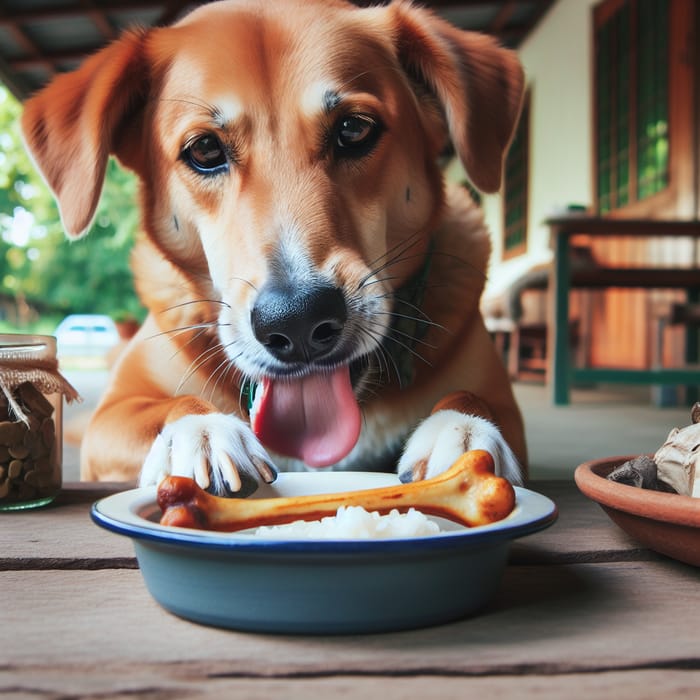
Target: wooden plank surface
{"type": "Point", "coordinates": [545, 619]}
{"type": "Point", "coordinates": [63, 536]}
{"type": "Point", "coordinates": [582, 611]}
{"type": "Point", "coordinates": [183, 683]}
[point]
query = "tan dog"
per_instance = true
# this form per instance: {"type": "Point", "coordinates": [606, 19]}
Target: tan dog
{"type": "Point", "coordinates": [300, 246]}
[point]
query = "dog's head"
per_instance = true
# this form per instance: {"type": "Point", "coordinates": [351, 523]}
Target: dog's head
{"type": "Point", "coordinates": [288, 156]}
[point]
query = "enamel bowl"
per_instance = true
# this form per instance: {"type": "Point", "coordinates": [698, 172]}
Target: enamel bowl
{"type": "Point", "coordinates": [664, 522]}
{"type": "Point", "coordinates": [245, 582]}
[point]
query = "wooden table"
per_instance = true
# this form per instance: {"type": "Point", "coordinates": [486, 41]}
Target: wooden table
{"type": "Point", "coordinates": [582, 612]}
{"type": "Point", "coordinates": [562, 229]}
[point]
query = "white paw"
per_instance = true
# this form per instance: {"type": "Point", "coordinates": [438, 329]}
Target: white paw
{"type": "Point", "coordinates": [218, 451]}
{"type": "Point", "coordinates": [441, 438]}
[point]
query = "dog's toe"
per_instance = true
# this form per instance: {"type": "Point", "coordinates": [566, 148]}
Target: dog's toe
{"type": "Point", "coordinates": [157, 463]}
{"type": "Point", "coordinates": [440, 439]}
{"type": "Point", "coordinates": [218, 451]}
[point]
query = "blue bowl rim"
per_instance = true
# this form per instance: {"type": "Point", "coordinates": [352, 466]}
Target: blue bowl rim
{"type": "Point", "coordinates": [533, 512]}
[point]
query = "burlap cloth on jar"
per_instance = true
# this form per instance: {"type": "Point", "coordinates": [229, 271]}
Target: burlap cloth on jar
{"type": "Point", "coordinates": [34, 364]}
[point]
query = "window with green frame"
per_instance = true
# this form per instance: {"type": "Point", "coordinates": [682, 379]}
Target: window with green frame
{"type": "Point", "coordinates": [632, 102]}
{"type": "Point", "coordinates": [515, 187]}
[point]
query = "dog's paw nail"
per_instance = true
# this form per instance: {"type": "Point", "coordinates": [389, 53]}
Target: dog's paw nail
{"type": "Point", "coordinates": [416, 473]}
{"type": "Point", "coordinates": [229, 472]}
{"type": "Point", "coordinates": [201, 472]}
{"type": "Point", "coordinates": [267, 471]}
{"type": "Point", "coordinates": [419, 470]}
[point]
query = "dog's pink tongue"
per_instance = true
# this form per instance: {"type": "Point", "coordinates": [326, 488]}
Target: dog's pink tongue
{"type": "Point", "coordinates": [315, 419]}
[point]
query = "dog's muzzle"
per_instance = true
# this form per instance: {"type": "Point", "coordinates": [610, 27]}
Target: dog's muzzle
{"type": "Point", "coordinates": [306, 408]}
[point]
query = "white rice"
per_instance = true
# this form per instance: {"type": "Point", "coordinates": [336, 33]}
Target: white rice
{"type": "Point", "coordinates": [355, 523]}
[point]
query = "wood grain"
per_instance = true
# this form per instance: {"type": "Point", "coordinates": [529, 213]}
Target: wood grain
{"type": "Point", "coordinates": [569, 618]}
{"type": "Point", "coordinates": [582, 611]}
{"type": "Point", "coordinates": [184, 682]}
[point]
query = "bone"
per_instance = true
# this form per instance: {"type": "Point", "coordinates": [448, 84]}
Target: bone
{"type": "Point", "coordinates": [467, 493]}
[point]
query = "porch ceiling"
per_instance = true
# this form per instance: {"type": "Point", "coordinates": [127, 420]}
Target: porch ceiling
{"type": "Point", "coordinates": [40, 38]}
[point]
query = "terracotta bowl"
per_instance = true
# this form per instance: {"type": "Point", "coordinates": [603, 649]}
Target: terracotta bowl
{"type": "Point", "coordinates": [665, 522]}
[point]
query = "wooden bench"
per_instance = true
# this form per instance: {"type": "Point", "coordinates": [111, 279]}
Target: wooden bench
{"type": "Point", "coordinates": [562, 371]}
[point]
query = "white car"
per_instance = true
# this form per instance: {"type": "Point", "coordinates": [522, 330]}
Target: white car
{"type": "Point", "coordinates": [86, 335]}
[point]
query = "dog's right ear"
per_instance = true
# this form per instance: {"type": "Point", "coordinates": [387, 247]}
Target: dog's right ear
{"type": "Point", "coordinates": [71, 126]}
{"type": "Point", "coordinates": [479, 85]}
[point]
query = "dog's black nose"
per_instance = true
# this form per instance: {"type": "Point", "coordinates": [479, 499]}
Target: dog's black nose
{"type": "Point", "coordinates": [299, 324]}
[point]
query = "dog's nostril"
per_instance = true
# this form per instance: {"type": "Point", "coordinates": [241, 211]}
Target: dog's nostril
{"type": "Point", "coordinates": [278, 342]}
{"type": "Point", "coordinates": [326, 333]}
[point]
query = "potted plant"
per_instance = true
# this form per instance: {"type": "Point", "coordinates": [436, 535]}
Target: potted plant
{"type": "Point", "coordinates": [127, 324]}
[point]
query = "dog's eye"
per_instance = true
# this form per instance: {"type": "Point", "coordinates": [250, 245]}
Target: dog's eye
{"type": "Point", "coordinates": [355, 135]}
{"type": "Point", "coordinates": [206, 155]}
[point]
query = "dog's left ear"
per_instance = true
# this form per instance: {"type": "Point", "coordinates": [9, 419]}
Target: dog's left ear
{"type": "Point", "coordinates": [71, 126]}
{"type": "Point", "coordinates": [478, 83]}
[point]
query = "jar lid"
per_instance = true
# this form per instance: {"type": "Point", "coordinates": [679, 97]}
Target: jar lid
{"type": "Point", "coordinates": [31, 358]}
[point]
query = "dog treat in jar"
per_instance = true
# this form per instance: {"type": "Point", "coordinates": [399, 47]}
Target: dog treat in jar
{"type": "Point", "coordinates": [31, 409]}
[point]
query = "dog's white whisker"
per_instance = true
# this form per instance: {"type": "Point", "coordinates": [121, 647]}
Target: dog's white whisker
{"type": "Point", "coordinates": [197, 364]}
{"type": "Point", "coordinates": [409, 337]}
{"type": "Point", "coordinates": [202, 327]}
{"type": "Point", "coordinates": [236, 278]}
{"type": "Point", "coordinates": [380, 352]}
{"type": "Point", "coordinates": [423, 321]}
{"type": "Point", "coordinates": [397, 255]}
{"type": "Point", "coordinates": [222, 369]}
{"type": "Point", "coordinates": [369, 281]}
{"type": "Point", "coordinates": [184, 345]}
{"type": "Point", "coordinates": [409, 349]}
{"type": "Point", "coordinates": [397, 249]}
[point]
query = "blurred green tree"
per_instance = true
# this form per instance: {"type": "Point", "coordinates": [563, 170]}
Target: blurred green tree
{"type": "Point", "coordinates": [37, 263]}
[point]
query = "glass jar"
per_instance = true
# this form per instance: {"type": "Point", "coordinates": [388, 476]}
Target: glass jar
{"type": "Point", "coordinates": [31, 421]}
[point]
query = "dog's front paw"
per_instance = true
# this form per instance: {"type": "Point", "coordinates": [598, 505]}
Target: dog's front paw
{"type": "Point", "coordinates": [218, 451]}
{"type": "Point", "coordinates": [441, 438]}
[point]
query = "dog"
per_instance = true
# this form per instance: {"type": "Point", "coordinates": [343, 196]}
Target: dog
{"type": "Point", "coordinates": [312, 284]}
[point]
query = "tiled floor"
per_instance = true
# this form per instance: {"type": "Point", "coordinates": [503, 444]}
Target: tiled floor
{"type": "Point", "coordinates": [599, 422]}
